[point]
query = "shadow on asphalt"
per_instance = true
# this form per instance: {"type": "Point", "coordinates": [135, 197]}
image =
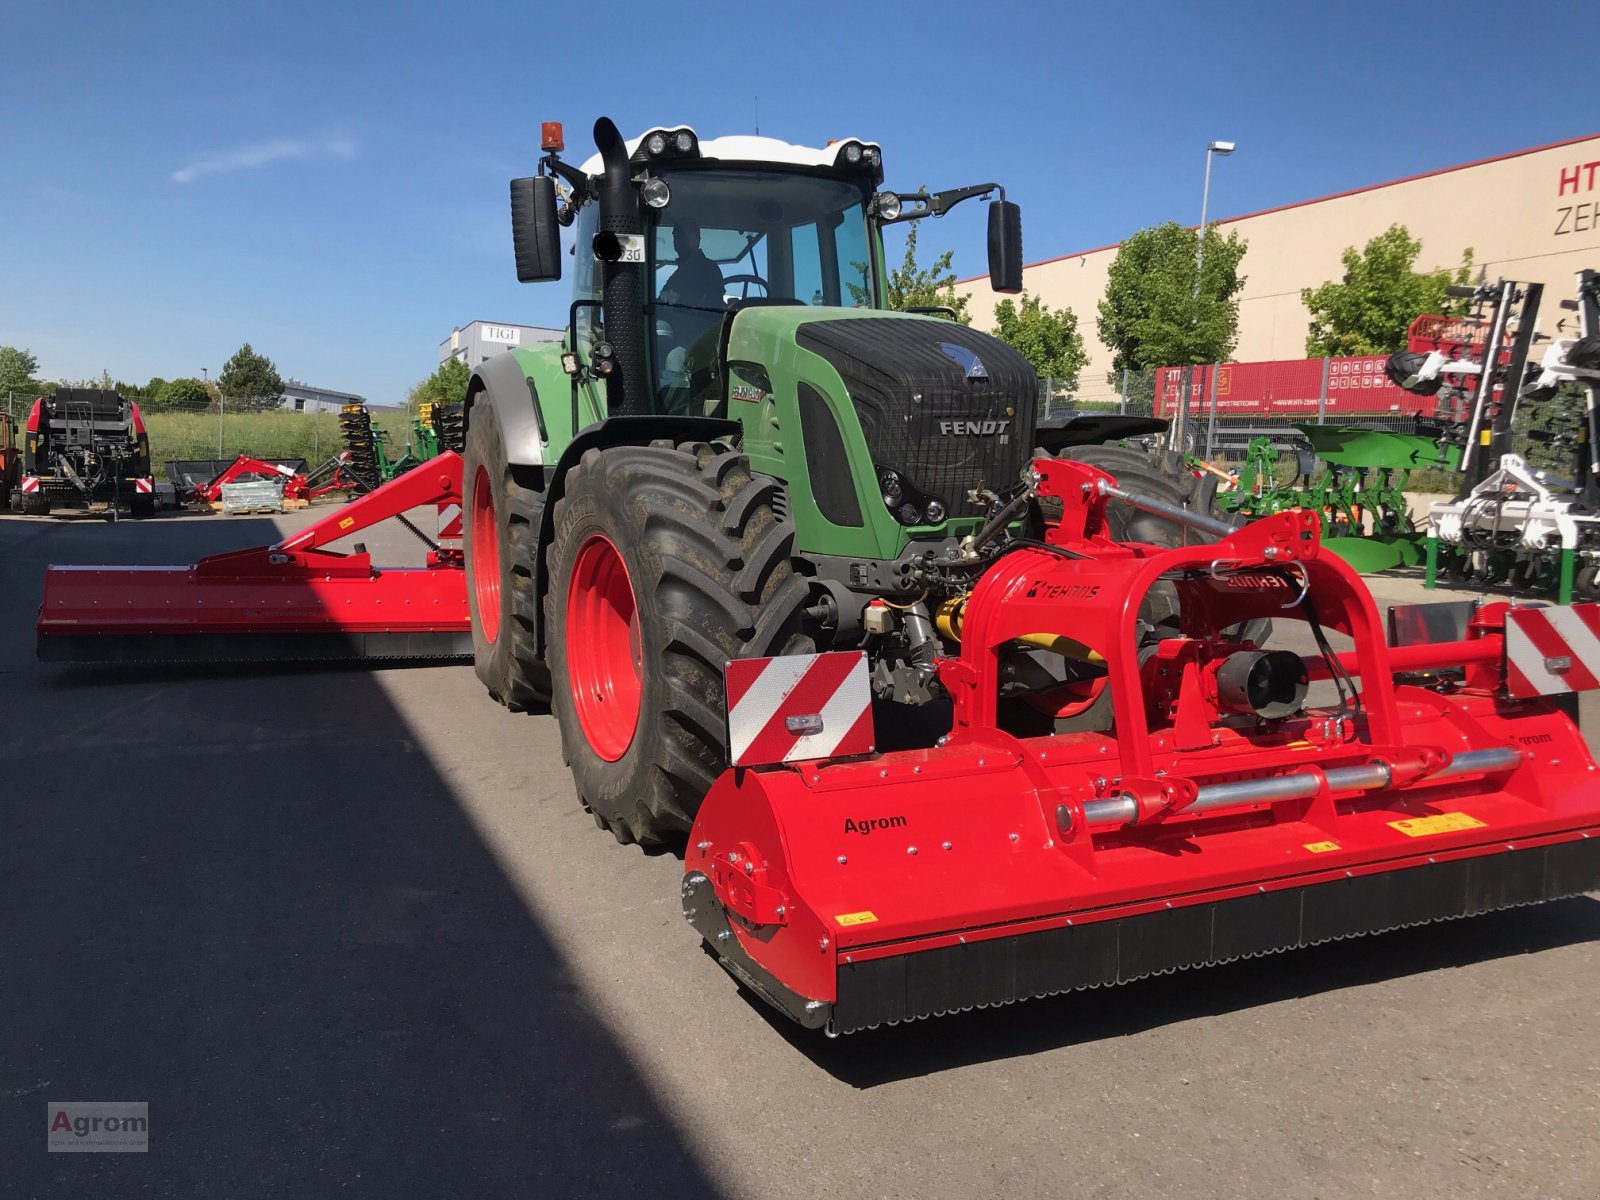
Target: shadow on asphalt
{"type": "Point", "coordinates": [258, 907]}
{"type": "Point", "coordinates": [926, 1047]}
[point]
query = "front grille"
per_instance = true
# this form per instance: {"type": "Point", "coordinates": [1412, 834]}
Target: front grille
{"type": "Point", "coordinates": [926, 409]}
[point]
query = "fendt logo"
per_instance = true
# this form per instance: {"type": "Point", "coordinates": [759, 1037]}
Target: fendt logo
{"type": "Point", "coordinates": [973, 428]}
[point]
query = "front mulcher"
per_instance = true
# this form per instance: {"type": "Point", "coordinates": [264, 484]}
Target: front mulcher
{"type": "Point", "coordinates": [1222, 815]}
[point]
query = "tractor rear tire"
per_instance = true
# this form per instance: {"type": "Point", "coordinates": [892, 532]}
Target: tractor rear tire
{"type": "Point", "coordinates": [666, 562]}
{"type": "Point", "coordinates": [502, 505]}
{"type": "Point", "coordinates": [1142, 472]}
{"type": "Point", "coordinates": [1139, 471]}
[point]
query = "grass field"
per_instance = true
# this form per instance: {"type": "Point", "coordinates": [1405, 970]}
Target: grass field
{"type": "Point", "coordinates": [311, 436]}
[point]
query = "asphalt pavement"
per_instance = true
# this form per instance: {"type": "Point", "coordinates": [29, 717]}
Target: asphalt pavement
{"type": "Point", "coordinates": [348, 932]}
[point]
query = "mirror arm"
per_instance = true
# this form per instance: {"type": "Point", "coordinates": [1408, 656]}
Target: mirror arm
{"type": "Point", "coordinates": [574, 179]}
{"type": "Point", "coordinates": [920, 204]}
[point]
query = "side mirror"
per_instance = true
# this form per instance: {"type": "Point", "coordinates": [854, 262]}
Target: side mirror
{"type": "Point", "coordinates": [1005, 247]}
{"type": "Point", "coordinates": [535, 233]}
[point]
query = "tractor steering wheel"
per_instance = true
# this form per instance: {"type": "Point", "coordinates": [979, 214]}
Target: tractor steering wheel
{"type": "Point", "coordinates": [747, 280]}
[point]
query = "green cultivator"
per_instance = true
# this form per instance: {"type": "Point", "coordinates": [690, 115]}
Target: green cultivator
{"type": "Point", "coordinates": [1362, 494]}
{"type": "Point", "coordinates": [1359, 492]}
{"type": "Point", "coordinates": [437, 427]}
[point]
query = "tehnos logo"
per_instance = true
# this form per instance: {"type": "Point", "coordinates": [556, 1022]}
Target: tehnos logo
{"type": "Point", "coordinates": [1043, 589]}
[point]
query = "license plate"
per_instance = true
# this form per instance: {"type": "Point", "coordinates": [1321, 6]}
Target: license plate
{"type": "Point", "coordinates": [632, 247]}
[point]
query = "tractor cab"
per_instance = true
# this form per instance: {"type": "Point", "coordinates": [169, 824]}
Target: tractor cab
{"type": "Point", "coordinates": [716, 240]}
{"type": "Point", "coordinates": [674, 235]}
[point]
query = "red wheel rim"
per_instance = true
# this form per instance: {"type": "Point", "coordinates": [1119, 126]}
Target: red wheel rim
{"type": "Point", "coordinates": [605, 661]}
{"type": "Point", "coordinates": [485, 556]}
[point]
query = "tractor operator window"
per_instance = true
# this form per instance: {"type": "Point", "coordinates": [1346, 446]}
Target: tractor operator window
{"type": "Point", "coordinates": [585, 281]}
{"type": "Point", "coordinates": [771, 236]}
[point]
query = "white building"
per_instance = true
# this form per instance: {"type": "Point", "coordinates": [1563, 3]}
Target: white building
{"type": "Point", "coordinates": [302, 397]}
{"type": "Point", "coordinates": [477, 341]}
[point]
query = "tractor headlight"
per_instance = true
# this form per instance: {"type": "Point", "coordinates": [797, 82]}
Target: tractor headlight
{"type": "Point", "coordinates": [892, 491]}
{"type": "Point", "coordinates": [684, 140]}
{"type": "Point", "coordinates": [656, 193]}
{"type": "Point", "coordinates": [888, 206]}
{"type": "Point", "coordinates": [852, 153]}
{"type": "Point", "coordinates": [909, 503]}
{"type": "Point", "coordinates": [656, 143]}
{"type": "Point", "coordinates": [874, 158]}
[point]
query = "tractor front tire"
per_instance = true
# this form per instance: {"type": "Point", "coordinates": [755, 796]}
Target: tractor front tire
{"type": "Point", "coordinates": [501, 510]}
{"type": "Point", "coordinates": [666, 562]}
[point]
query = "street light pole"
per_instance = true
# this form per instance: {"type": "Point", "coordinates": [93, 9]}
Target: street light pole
{"type": "Point", "coordinates": [1180, 418]}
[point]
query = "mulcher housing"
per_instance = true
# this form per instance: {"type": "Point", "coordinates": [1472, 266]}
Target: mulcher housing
{"type": "Point", "coordinates": [992, 868]}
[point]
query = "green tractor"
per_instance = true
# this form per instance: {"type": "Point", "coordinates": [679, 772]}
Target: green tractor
{"type": "Point", "coordinates": [738, 451]}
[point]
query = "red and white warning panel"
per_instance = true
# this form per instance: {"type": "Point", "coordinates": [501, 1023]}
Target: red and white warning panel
{"type": "Point", "coordinates": [1552, 651]}
{"type": "Point", "coordinates": [144, 485]}
{"type": "Point", "coordinates": [798, 706]}
{"type": "Point", "coordinates": [449, 520]}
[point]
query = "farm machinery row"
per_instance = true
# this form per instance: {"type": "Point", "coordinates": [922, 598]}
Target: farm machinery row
{"type": "Point", "coordinates": [247, 483]}
{"type": "Point", "coordinates": [947, 708]}
{"type": "Point", "coordinates": [1511, 521]}
{"type": "Point", "coordinates": [1514, 521]}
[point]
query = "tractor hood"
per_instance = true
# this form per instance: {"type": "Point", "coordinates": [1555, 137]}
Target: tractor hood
{"type": "Point", "coordinates": [948, 408]}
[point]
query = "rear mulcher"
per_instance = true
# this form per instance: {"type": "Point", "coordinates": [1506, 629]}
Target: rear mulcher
{"type": "Point", "coordinates": [953, 707]}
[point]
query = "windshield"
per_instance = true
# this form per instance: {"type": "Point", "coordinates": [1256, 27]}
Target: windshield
{"type": "Point", "coordinates": [728, 236]}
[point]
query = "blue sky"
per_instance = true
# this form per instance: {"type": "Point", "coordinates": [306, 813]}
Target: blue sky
{"type": "Point", "coordinates": [328, 181]}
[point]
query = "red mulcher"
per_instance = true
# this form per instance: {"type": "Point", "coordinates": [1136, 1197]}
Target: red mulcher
{"type": "Point", "coordinates": [1221, 819]}
{"type": "Point", "coordinates": [1221, 816]}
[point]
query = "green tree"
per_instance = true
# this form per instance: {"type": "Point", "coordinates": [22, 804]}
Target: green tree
{"type": "Point", "coordinates": [17, 369]}
{"type": "Point", "coordinates": [1151, 315]}
{"type": "Point", "coordinates": [448, 383]}
{"type": "Point", "coordinates": [250, 382]}
{"type": "Point", "coordinates": [183, 395]}
{"type": "Point", "coordinates": [1371, 309]}
{"type": "Point", "coordinates": [911, 285]}
{"type": "Point", "coordinates": [1049, 340]}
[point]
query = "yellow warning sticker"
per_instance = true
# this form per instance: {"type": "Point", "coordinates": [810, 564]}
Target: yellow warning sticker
{"type": "Point", "coordinates": [1443, 823]}
{"type": "Point", "coordinates": [1321, 847]}
{"type": "Point", "coordinates": [860, 918]}
{"type": "Point", "coordinates": [347, 522]}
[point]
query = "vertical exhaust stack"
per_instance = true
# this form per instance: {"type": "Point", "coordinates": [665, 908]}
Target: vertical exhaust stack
{"type": "Point", "coordinates": [622, 291]}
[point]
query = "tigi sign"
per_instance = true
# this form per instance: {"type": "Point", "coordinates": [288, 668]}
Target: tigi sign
{"type": "Point", "coordinates": [508, 335]}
